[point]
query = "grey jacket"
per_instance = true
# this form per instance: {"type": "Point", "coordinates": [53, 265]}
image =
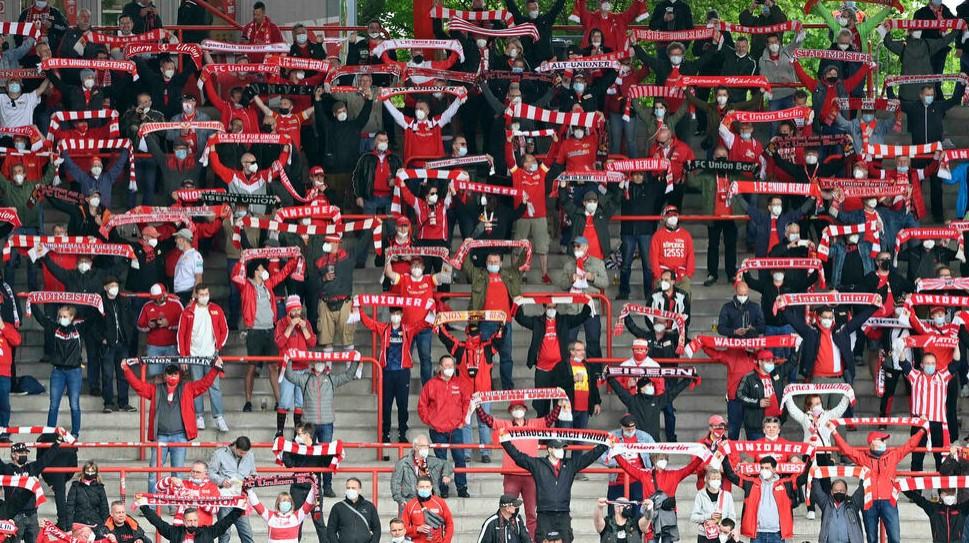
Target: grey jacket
{"type": "Point", "coordinates": [403, 483]}
{"type": "Point", "coordinates": [600, 280]}
{"type": "Point", "coordinates": [854, 504]}
{"type": "Point", "coordinates": [781, 71]}
{"type": "Point", "coordinates": [225, 466]}
{"type": "Point", "coordinates": [318, 392]}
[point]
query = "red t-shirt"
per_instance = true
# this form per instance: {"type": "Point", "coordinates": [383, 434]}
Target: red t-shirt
{"type": "Point", "coordinates": [774, 409]}
{"type": "Point", "coordinates": [549, 354]}
{"type": "Point", "coordinates": [595, 248]}
{"type": "Point", "coordinates": [532, 183]}
{"type": "Point", "coordinates": [422, 288]}
{"type": "Point", "coordinates": [496, 294]}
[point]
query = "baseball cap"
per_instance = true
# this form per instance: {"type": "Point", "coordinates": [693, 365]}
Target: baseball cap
{"type": "Point", "coordinates": [581, 240]}
{"type": "Point", "coordinates": [317, 170]}
{"type": "Point", "coordinates": [872, 436]}
{"type": "Point", "coordinates": [293, 302]}
{"type": "Point", "coordinates": [509, 499]}
{"type": "Point", "coordinates": [765, 355]}
{"type": "Point", "coordinates": [715, 420]}
{"type": "Point", "coordinates": [19, 447]}
{"type": "Point", "coordinates": [556, 444]}
{"type": "Point", "coordinates": [157, 289]}
{"type": "Point", "coordinates": [184, 233]}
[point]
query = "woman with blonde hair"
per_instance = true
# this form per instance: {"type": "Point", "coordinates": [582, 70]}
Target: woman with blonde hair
{"type": "Point", "coordinates": [87, 502]}
{"type": "Point", "coordinates": [282, 521]}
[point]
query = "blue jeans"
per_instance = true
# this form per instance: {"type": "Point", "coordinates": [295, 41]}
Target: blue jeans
{"type": "Point", "coordinates": [235, 298]}
{"type": "Point", "coordinates": [423, 342]}
{"type": "Point", "coordinates": [629, 245]}
{"type": "Point", "coordinates": [215, 392]}
{"type": "Point", "coordinates": [396, 389]}
{"type": "Point", "coordinates": [159, 350]}
{"type": "Point", "coordinates": [484, 433]}
{"type": "Point", "coordinates": [454, 438]}
{"type": "Point", "coordinates": [503, 345]}
{"type": "Point", "coordinates": [323, 433]}
{"type": "Point", "coordinates": [371, 206]}
{"type": "Point", "coordinates": [620, 131]}
{"type": "Point", "coordinates": [735, 419]}
{"type": "Point", "coordinates": [767, 537]}
{"type": "Point", "coordinates": [69, 379]}
{"type": "Point", "coordinates": [886, 512]}
{"type": "Point", "coordinates": [10, 269]}
{"type": "Point", "coordinates": [838, 253]}
{"type": "Point", "coordinates": [4, 401]}
{"type": "Point", "coordinates": [241, 524]}
{"type": "Point", "coordinates": [111, 374]}
{"type": "Point", "coordinates": [175, 455]}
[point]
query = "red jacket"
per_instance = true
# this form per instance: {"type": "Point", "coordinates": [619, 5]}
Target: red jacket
{"type": "Point", "coordinates": [785, 512]}
{"type": "Point", "coordinates": [172, 311]}
{"type": "Point", "coordinates": [408, 331]}
{"type": "Point", "coordinates": [672, 250]}
{"type": "Point", "coordinates": [9, 338]}
{"type": "Point", "coordinates": [187, 321]}
{"type": "Point", "coordinates": [443, 404]}
{"type": "Point", "coordinates": [678, 154]}
{"type": "Point", "coordinates": [882, 468]}
{"type": "Point", "coordinates": [190, 390]}
{"type": "Point", "coordinates": [174, 486]}
{"type": "Point", "coordinates": [248, 291]}
{"type": "Point", "coordinates": [296, 340]}
{"type": "Point", "coordinates": [666, 479]}
{"type": "Point", "coordinates": [413, 518]}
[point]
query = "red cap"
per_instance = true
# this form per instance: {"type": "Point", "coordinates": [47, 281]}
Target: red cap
{"type": "Point", "coordinates": [516, 403]}
{"type": "Point", "coordinates": [715, 420]}
{"type": "Point", "coordinates": [937, 309]}
{"type": "Point", "coordinates": [332, 239]}
{"type": "Point", "coordinates": [293, 302]}
{"type": "Point", "coordinates": [317, 170]}
{"type": "Point", "coordinates": [403, 221]}
{"type": "Point", "coordinates": [150, 231]}
{"type": "Point", "coordinates": [765, 355]}
{"type": "Point", "coordinates": [671, 210]}
{"type": "Point", "coordinates": [872, 436]}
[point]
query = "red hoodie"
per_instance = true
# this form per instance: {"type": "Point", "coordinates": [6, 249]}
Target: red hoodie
{"type": "Point", "coordinates": [9, 338]}
{"type": "Point", "coordinates": [408, 331]}
{"type": "Point", "coordinates": [443, 404]}
{"type": "Point", "coordinates": [672, 250]}
{"type": "Point", "coordinates": [883, 468]}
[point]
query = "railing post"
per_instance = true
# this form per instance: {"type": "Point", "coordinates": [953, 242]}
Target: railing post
{"type": "Point", "coordinates": [142, 403]}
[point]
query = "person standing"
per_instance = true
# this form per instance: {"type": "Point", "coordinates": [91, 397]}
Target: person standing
{"type": "Point", "coordinates": [260, 31]}
{"type": "Point", "coordinates": [403, 483]}
{"type": "Point", "coordinates": [202, 331]}
{"type": "Point", "coordinates": [427, 517]}
{"type": "Point", "coordinates": [506, 525]}
{"type": "Point", "coordinates": [442, 406]}
{"type": "Point", "coordinates": [26, 517]}
{"type": "Point", "coordinates": [228, 467]}
{"type": "Point", "coordinates": [353, 519]}
{"type": "Point", "coordinates": [159, 319]}
{"type": "Point", "coordinates": [292, 332]}
{"type": "Point", "coordinates": [190, 531]}
{"type": "Point", "coordinates": [117, 331]}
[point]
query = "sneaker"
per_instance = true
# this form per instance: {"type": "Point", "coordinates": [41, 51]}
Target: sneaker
{"type": "Point", "coordinates": [221, 425]}
{"type": "Point", "coordinates": [546, 279]}
{"type": "Point", "coordinates": [247, 408]}
{"type": "Point", "coordinates": [107, 409]}
{"type": "Point", "coordinates": [711, 279]}
{"type": "Point", "coordinates": [445, 492]}
{"type": "Point", "coordinates": [485, 459]}
{"type": "Point", "coordinates": [402, 438]}
{"type": "Point", "coordinates": [810, 515]}
{"type": "Point", "coordinates": [463, 492]}
{"type": "Point", "coordinates": [200, 422]}
{"type": "Point", "coordinates": [128, 408]}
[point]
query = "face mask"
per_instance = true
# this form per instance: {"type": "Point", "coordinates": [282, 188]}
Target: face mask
{"type": "Point", "coordinates": [448, 372]}
{"type": "Point", "coordinates": [916, 34]}
{"type": "Point", "coordinates": [928, 370]}
{"type": "Point", "coordinates": [578, 253]}
{"type": "Point", "coordinates": [551, 312]}
{"type": "Point", "coordinates": [659, 113]}
{"type": "Point", "coordinates": [902, 169]}
{"type": "Point", "coordinates": [629, 433]}
{"type": "Point", "coordinates": [861, 174]}
{"type": "Point", "coordinates": [382, 146]}
{"type": "Point", "coordinates": [671, 222]}
{"type": "Point", "coordinates": [778, 276]}
{"type": "Point", "coordinates": [301, 39]}
{"type": "Point", "coordinates": [172, 380]}
{"type": "Point", "coordinates": [557, 454]}
{"type": "Point", "coordinates": [88, 84]}
{"type": "Point", "coordinates": [579, 134]}
{"type": "Point", "coordinates": [341, 116]}
{"type": "Point", "coordinates": [420, 114]}
{"type": "Point", "coordinates": [264, 275]}
{"type": "Point", "coordinates": [513, 53]}
{"type": "Point", "coordinates": [768, 367]}
{"type": "Point", "coordinates": [721, 100]}
{"type": "Point", "coordinates": [590, 207]}
{"type": "Point", "coordinates": [318, 367]}
{"type": "Point", "coordinates": [417, 272]}
{"type": "Point", "coordinates": [714, 484]}
{"type": "Point", "coordinates": [927, 100]}
{"type": "Point", "coordinates": [112, 291]}
{"type": "Point", "coordinates": [188, 107]}
{"type": "Point", "coordinates": [423, 452]}
{"type": "Point", "coordinates": [41, 4]}
{"type": "Point", "coordinates": [96, 170]}
{"type": "Point", "coordinates": [481, 43]}
{"type": "Point", "coordinates": [579, 87]}
{"type": "Point", "coordinates": [353, 494]}
{"type": "Point", "coordinates": [90, 476]}
{"type": "Point", "coordinates": [532, 166]}
{"type": "Point", "coordinates": [794, 238]}
{"type": "Point", "coordinates": [253, 168]}
{"type": "Point", "coordinates": [774, 47]}
{"type": "Point", "coordinates": [827, 323]}
{"type": "Point", "coordinates": [18, 178]}
{"type": "Point", "coordinates": [400, 539]}
{"type": "Point", "coordinates": [84, 267]}
{"type": "Point", "coordinates": [839, 496]}
{"type": "Point", "coordinates": [13, 88]}
{"type": "Point", "coordinates": [853, 238]}
{"type": "Point", "coordinates": [811, 159]}
{"type": "Point", "coordinates": [20, 459]}
{"type": "Point", "coordinates": [517, 70]}
{"type": "Point", "coordinates": [868, 117]}
{"type": "Point", "coordinates": [929, 244]}
{"type": "Point", "coordinates": [286, 111]}
{"type": "Point", "coordinates": [20, 146]}
{"type": "Point", "coordinates": [648, 390]}
{"type": "Point", "coordinates": [374, 35]}
{"type": "Point", "coordinates": [432, 199]}
{"type": "Point", "coordinates": [462, 151]}
{"type": "Point", "coordinates": [949, 500]}
{"type": "Point", "coordinates": [518, 413]}
{"type": "Point", "coordinates": [424, 493]}
{"type": "Point", "coordinates": [659, 328]}
{"type": "Point", "coordinates": [285, 507]}
{"type": "Point", "coordinates": [168, 75]}
{"type": "Point", "coordinates": [533, 14]}
{"type": "Point", "coordinates": [817, 410]}
{"type": "Point", "coordinates": [766, 474]}
{"type": "Point", "coordinates": [661, 464]}
{"type": "Point", "coordinates": [746, 135]}
{"type": "Point", "coordinates": [494, 268]}
{"type": "Point", "coordinates": [665, 285]}
{"type": "Point", "coordinates": [64, 321]}
{"type": "Point", "coordinates": [395, 319]}
{"type": "Point", "coordinates": [724, 538]}
{"type": "Point", "coordinates": [203, 300]}
{"type": "Point", "coordinates": [181, 154]}
{"type": "Point", "coordinates": [675, 60]}
{"type": "Point", "coordinates": [153, 242]}
{"type": "Point", "coordinates": [843, 46]}
{"type": "Point", "coordinates": [775, 210]}
{"type": "Point", "coordinates": [879, 448]}
{"type": "Point", "coordinates": [742, 299]}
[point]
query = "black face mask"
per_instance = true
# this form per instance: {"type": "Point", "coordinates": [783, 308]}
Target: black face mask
{"type": "Point", "coordinates": [884, 265]}
{"type": "Point", "coordinates": [833, 80]}
{"type": "Point", "coordinates": [20, 459]}
{"type": "Point", "coordinates": [839, 496]}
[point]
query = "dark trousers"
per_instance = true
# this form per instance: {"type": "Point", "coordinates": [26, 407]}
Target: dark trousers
{"type": "Point", "coordinates": [260, 343]}
{"type": "Point", "coordinates": [556, 521]}
{"type": "Point", "coordinates": [27, 527]}
{"type": "Point", "coordinates": [299, 493]}
{"type": "Point", "coordinates": [735, 419]}
{"type": "Point", "coordinates": [396, 389]}
{"type": "Point", "coordinates": [454, 437]}
{"type": "Point", "coordinates": [111, 375]}
{"type": "Point", "coordinates": [593, 331]}
{"type": "Point", "coordinates": [727, 229]}
{"type": "Point", "coordinates": [234, 307]}
{"type": "Point", "coordinates": [93, 348]}
{"type": "Point", "coordinates": [888, 398]}
{"type": "Point", "coordinates": [543, 379]}
{"type": "Point", "coordinates": [60, 500]}
{"type": "Point", "coordinates": [935, 430]}
{"type": "Point", "coordinates": [629, 245]}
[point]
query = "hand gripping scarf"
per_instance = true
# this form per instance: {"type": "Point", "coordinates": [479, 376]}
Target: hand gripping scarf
{"type": "Point", "coordinates": [485, 188]}
{"type": "Point", "coordinates": [881, 421]}
{"type": "Point", "coordinates": [220, 196]}
{"type": "Point", "coordinates": [877, 104]}
{"type": "Point", "coordinates": [947, 283]}
{"type": "Point", "coordinates": [390, 45]}
{"type": "Point", "coordinates": [932, 340]}
{"type": "Point", "coordinates": [457, 261]}
{"type": "Point", "coordinates": [636, 92]}
{"type": "Point", "coordinates": [503, 15]}
{"type": "Point", "coordinates": [825, 298]}
{"type": "Point", "coordinates": [784, 264]}
{"type": "Point", "coordinates": [299, 63]}
{"type": "Point", "coordinates": [698, 450]}
{"type": "Point", "coordinates": [895, 80]}
{"type": "Point", "coordinates": [158, 215]}
{"type": "Point", "coordinates": [731, 81]}
{"type": "Point", "coordinates": [403, 175]}
{"type": "Point", "coordinates": [895, 151]}
{"type": "Point", "coordinates": [87, 246]}
{"type": "Point", "coordinates": [193, 50]}
{"type": "Point", "coordinates": [328, 357]}
{"type": "Point", "coordinates": [546, 299]}
{"type": "Point", "coordinates": [463, 161]}
{"type": "Point", "coordinates": [928, 233]}
{"type": "Point", "coordinates": [809, 190]}
{"type": "Point", "coordinates": [594, 437]}
{"type": "Point", "coordinates": [58, 117]}
{"type": "Point", "coordinates": [760, 449]}
{"type": "Point", "coordinates": [802, 389]}
{"type": "Point", "coordinates": [203, 361]}
{"type": "Point", "coordinates": [389, 300]}
{"type": "Point", "coordinates": [91, 64]}
{"type": "Point", "coordinates": [833, 54]}
{"type": "Point", "coordinates": [447, 317]}
{"type": "Point", "coordinates": [90, 144]}
{"type": "Point", "coordinates": [528, 30]}
{"type": "Point", "coordinates": [64, 298]}
{"type": "Point", "coordinates": [370, 69]}
{"type": "Point", "coordinates": [785, 341]}
{"type": "Point", "coordinates": [330, 228]}
{"type": "Point", "coordinates": [461, 93]}
{"type": "Point", "coordinates": [427, 74]}
{"type": "Point", "coordinates": [333, 449]}
{"type": "Point", "coordinates": [840, 230]}
{"type": "Point", "coordinates": [517, 395]}
{"type": "Point", "coordinates": [678, 319]}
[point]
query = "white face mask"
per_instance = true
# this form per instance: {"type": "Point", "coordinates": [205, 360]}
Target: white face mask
{"type": "Point", "coordinates": [794, 238]}
{"type": "Point", "coordinates": [649, 390]}
{"type": "Point", "coordinates": [494, 268]}
{"type": "Point", "coordinates": [481, 43]}
{"type": "Point", "coordinates": [84, 267]}
{"type": "Point", "coordinates": [742, 299]}
{"type": "Point", "coordinates": [447, 372]}
{"type": "Point", "coordinates": [675, 60]}
{"type": "Point", "coordinates": [811, 159]}
{"type": "Point", "coordinates": [188, 107]}
{"type": "Point", "coordinates": [88, 84]}
{"type": "Point", "coordinates": [518, 413]}
{"type": "Point", "coordinates": [318, 367]}
{"type": "Point", "coordinates": [327, 247]}
{"type": "Point", "coordinates": [902, 169]}
{"type": "Point", "coordinates": [203, 300]}
{"type": "Point", "coordinates": [606, 6]}
{"type": "Point", "coordinates": [382, 146]}
{"type": "Point", "coordinates": [533, 14]}
{"type": "Point", "coordinates": [578, 253]}
{"type": "Point", "coordinates": [169, 73]}
{"type": "Point", "coordinates": [827, 323]}
{"type": "Point", "coordinates": [714, 484]}
{"type": "Point", "coordinates": [264, 275]}
{"type": "Point", "coordinates": [353, 494]}
{"type": "Point", "coordinates": [18, 178]}
{"type": "Point", "coordinates": [590, 207]}
{"type": "Point", "coordinates": [843, 21]}
{"type": "Point", "coordinates": [929, 244]}
{"type": "Point", "coordinates": [532, 166]}
{"type": "Point", "coordinates": [112, 291]}
{"type": "Point", "coordinates": [917, 34]}
{"type": "Point", "coordinates": [776, 210]}
{"type": "Point", "coordinates": [721, 100]}
{"type": "Point", "coordinates": [665, 285]}
{"type": "Point", "coordinates": [153, 242]}
{"type": "Point", "coordinates": [420, 114]}
{"type": "Point", "coordinates": [939, 321]}
{"type": "Point", "coordinates": [423, 452]}
{"type": "Point", "coordinates": [557, 454]}
{"type": "Point", "coordinates": [341, 116]}
{"type": "Point", "coordinates": [417, 272]}
{"type": "Point", "coordinates": [14, 88]}
{"type": "Point", "coordinates": [766, 474]}
{"type": "Point", "coordinates": [629, 433]}
{"type": "Point", "coordinates": [462, 150]}
{"type": "Point", "coordinates": [672, 221]}
{"type": "Point", "coordinates": [253, 168]}
{"type": "Point", "coordinates": [817, 409]}
{"type": "Point", "coordinates": [395, 319]}
{"type": "Point", "coordinates": [949, 500]}
{"type": "Point", "coordinates": [853, 238]}
{"type": "Point", "coordinates": [96, 170]}
{"type": "Point", "coordinates": [661, 463]}
{"type": "Point", "coordinates": [774, 47]}
{"type": "Point", "coordinates": [512, 53]}
{"type": "Point", "coordinates": [746, 135]}
{"type": "Point", "coordinates": [64, 321]}
{"type": "Point", "coordinates": [778, 276]}
{"type": "Point", "coordinates": [551, 312]}
{"type": "Point", "coordinates": [844, 46]}
{"type": "Point", "coordinates": [432, 199]}
{"type": "Point", "coordinates": [579, 134]}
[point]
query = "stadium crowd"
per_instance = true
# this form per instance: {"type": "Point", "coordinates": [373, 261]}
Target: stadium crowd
{"type": "Point", "coordinates": [295, 159]}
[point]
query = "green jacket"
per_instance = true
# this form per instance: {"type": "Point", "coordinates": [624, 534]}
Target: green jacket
{"type": "Point", "coordinates": [706, 182]}
{"type": "Point", "coordinates": [864, 28]}
{"type": "Point", "coordinates": [17, 196]}
{"type": "Point", "coordinates": [510, 276]}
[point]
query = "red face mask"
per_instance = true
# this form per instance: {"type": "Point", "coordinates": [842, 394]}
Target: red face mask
{"type": "Point", "coordinates": [639, 354]}
{"type": "Point", "coordinates": [172, 380]}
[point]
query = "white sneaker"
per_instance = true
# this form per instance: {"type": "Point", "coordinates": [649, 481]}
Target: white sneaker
{"type": "Point", "coordinates": [221, 425]}
{"type": "Point", "coordinates": [200, 422]}
{"type": "Point", "coordinates": [811, 515]}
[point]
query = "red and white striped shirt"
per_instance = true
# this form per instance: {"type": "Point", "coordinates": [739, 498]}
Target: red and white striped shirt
{"type": "Point", "coordinates": [928, 394]}
{"type": "Point", "coordinates": [283, 528]}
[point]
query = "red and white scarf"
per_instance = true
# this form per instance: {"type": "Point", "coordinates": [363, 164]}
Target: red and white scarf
{"type": "Point", "coordinates": [24, 242]}
{"type": "Point", "coordinates": [160, 215]}
{"type": "Point", "coordinates": [299, 63]}
{"type": "Point", "coordinates": [390, 300]}
{"type": "Point", "coordinates": [441, 12]}
{"type": "Point", "coordinates": [457, 261]}
{"type": "Point", "coordinates": [517, 395]}
{"type": "Point", "coordinates": [932, 340]}
{"type": "Point", "coordinates": [698, 450]}
{"type": "Point", "coordinates": [388, 92]}
{"type": "Point", "coordinates": [894, 80]}
{"type": "Point", "coordinates": [943, 300]}
{"type": "Point", "coordinates": [316, 212]}
{"type": "Point", "coordinates": [786, 26]}
{"type": "Point", "coordinates": [870, 229]}
{"type": "Point", "coordinates": [243, 138]}
{"type": "Point", "coordinates": [89, 246]}
{"type": "Point", "coordinates": [591, 177]}
{"type": "Point", "coordinates": [427, 74]}
{"type": "Point", "coordinates": [462, 161]}
{"type": "Point", "coordinates": [270, 253]}
{"type": "Point", "coordinates": [333, 449]}
{"type": "Point", "coordinates": [403, 175]}
{"type": "Point", "coordinates": [825, 298]}
{"type": "Point", "coordinates": [881, 421]}
{"type": "Point", "coordinates": [299, 355]}
{"type": "Point", "coordinates": [802, 389]}
{"type": "Point", "coordinates": [245, 48]}
{"type": "Point", "coordinates": [276, 479]}
{"type": "Point", "coordinates": [938, 482]}
{"type": "Point", "coordinates": [390, 45]}
{"type": "Point", "coordinates": [25, 482]}
{"type": "Point", "coordinates": [925, 24]}
{"type": "Point", "coordinates": [928, 233]}
{"type": "Point", "coordinates": [594, 437]}
{"type": "Point", "coordinates": [678, 320]}
{"type": "Point", "coordinates": [38, 430]}
{"type": "Point", "coordinates": [664, 372]}
{"type": "Point", "coordinates": [64, 298]}
{"type": "Point", "coordinates": [772, 187]}
{"type": "Point", "coordinates": [937, 283]}
{"type": "Point", "coordinates": [752, 469]}
{"type": "Point", "coordinates": [784, 341]}
{"type": "Point", "coordinates": [148, 128]}
{"type": "Point", "coordinates": [276, 226]}
{"type": "Point", "coordinates": [21, 73]}
{"type": "Point", "coordinates": [549, 299]}
{"type": "Point", "coordinates": [157, 500]}
{"type": "Point", "coordinates": [485, 188]}
{"type": "Point", "coordinates": [58, 117]}
{"type": "Point", "coordinates": [447, 317]}
{"type": "Point", "coordinates": [732, 81]}
{"type": "Point", "coordinates": [784, 264]}
{"type": "Point", "coordinates": [114, 40]}
{"type": "Point", "coordinates": [789, 114]}
{"type": "Point", "coordinates": [895, 151]}
{"type": "Point", "coordinates": [764, 448]}
{"type": "Point", "coordinates": [369, 69]}
{"type": "Point", "coordinates": [636, 92]}
{"type": "Point", "coordinates": [833, 54]}
{"type": "Point", "coordinates": [9, 215]}
{"type": "Point", "coordinates": [409, 251]}
{"type": "Point", "coordinates": [638, 165]}
{"type": "Point", "coordinates": [21, 29]}
{"type": "Point", "coordinates": [461, 25]}
{"type": "Point", "coordinates": [90, 144]}
{"type": "Point", "coordinates": [193, 50]}
{"type": "Point", "coordinates": [841, 472]}
{"type": "Point", "coordinates": [58, 63]}
{"type": "Point", "coordinates": [525, 111]}
{"type": "Point", "coordinates": [210, 69]}
{"type": "Point", "coordinates": [578, 64]}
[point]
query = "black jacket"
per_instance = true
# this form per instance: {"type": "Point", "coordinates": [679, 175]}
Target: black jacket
{"type": "Point", "coordinates": [664, 347]}
{"type": "Point", "coordinates": [30, 468]}
{"type": "Point", "coordinates": [564, 324]}
{"type": "Point", "coordinates": [339, 156]}
{"type": "Point", "coordinates": [537, 51]}
{"type": "Point", "coordinates": [682, 17]}
{"type": "Point", "coordinates": [87, 503]}
{"type": "Point", "coordinates": [118, 324]}
{"type": "Point", "coordinates": [841, 338]}
{"type": "Point", "coordinates": [642, 199]}
{"type": "Point", "coordinates": [759, 41]}
{"type": "Point", "coordinates": [203, 534]}
{"type": "Point", "coordinates": [351, 522]}
{"type": "Point", "coordinates": [67, 339]}
{"type": "Point", "coordinates": [191, 13]}
{"type": "Point", "coordinates": [768, 293]}
{"type": "Point", "coordinates": [925, 122]}
{"type": "Point", "coordinates": [129, 532]}
{"type": "Point", "coordinates": [751, 391]}
{"type": "Point", "coordinates": [947, 521]}
{"type": "Point", "coordinates": [554, 490]}
{"type": "Point", "coordinates": [735, 315]}
{"type": "Point", "coordinates": [91, 282]}
{"type": "Point", "coordinates": [498, 530]}
{"type": "Point", "coordinates": [166, 96]}
{"type": "Point", "coordinates": [646, 409]}
{"type": "Point", "coordinates": [364, 171]}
